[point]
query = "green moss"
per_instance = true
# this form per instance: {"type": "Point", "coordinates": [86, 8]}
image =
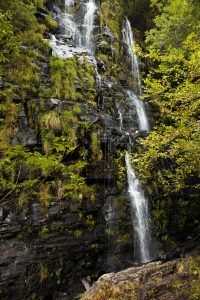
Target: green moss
{"type": "Point", "coordinates": [44, 273]}
{"type": "Point", "coordinates": [76, 109]}
{"type": "Point", "coordinates": [63, 75]}
{"type": "Point", "coordinates": [45, 195]}
{"type": "Point", "coordinates": [44, 233]}
{"type": "Point", "coordinates": [67, 75]}
{"type": "Point", "coordinates": [111, 15]}
{"type": "Point", "coordinates": [51, 23]}
{"type": "Point", "coordinates": [52, 122]}
{"type": "Point", "coordinates": [95, 148]}
{"type": "Point", "coordinates": [124, 238]}
{"type": "Point", "coordinates": [120, 169]}
{"type": "Point", "coordinates": [94, 246]}
{"type": "Point", "coordinates": [77, 233]}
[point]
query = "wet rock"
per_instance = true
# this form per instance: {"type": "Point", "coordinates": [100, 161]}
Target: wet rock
{"type": "Point", "coordinates": [26, 137]}
{"type": "Point", "coordinates": [107, 33]}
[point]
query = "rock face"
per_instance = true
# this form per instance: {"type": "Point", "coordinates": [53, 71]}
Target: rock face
{"type": "Point", "coordinates": [48, 249]}
{"type": "Point", "coordinates": [52, 247]}
{"type": "Point", "coordinates": [176, 279]}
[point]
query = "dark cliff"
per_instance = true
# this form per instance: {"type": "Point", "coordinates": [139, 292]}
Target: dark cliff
{"type": "Point", "coordinates": [62, 153]}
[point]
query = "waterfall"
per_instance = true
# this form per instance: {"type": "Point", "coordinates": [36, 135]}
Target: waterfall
{"type": "Point", "coordinates": [140, 215]}
{"type": "Point", "coordinates": [69, 3]}
{"type": "Point", "coordinates": [74, 38]}
{"type": "Point", "coordinates": [69, 27]}
{"type": "Point", "coordinates": [141, 113]}
{"type": "Point", "coordinates": [139, 203]}
{"type": "Point", "coordinates": [65, 44]}
{"type": "Point", "coordinates": [89, 22]}
{"type": "Point", "coordinates": [120, 120]}
{"type": "Point", "coordinates": [128, 39]}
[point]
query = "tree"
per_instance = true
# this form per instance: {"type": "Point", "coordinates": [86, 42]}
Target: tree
{"type": "Point", "coordinates": [8, 43]}
{"type": "Point", "coordinates": [168, 159]}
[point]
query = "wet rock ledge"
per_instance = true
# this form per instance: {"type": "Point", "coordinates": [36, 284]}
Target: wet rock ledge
{"type": "Point", "coordinates": [177, 279]}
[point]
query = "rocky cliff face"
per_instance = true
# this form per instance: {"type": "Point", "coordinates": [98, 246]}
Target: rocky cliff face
{"type": "Point", "coordinates": [69, 220]}
{"type": "Point", "coordinates": [50, 243]}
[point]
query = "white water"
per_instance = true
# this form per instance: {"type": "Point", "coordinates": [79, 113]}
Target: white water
{"type": "Point", "coordinates": [140, 109]}
{"type": "Point", "coordinates": [68, 42]}
{"type": "Point", "coordinates": [70, 28]}
{"type": "Point", "coordinates": [69, 3]}
{"type": "Point", "coordinates": [89, 22]}
{"type": "Point", "coordinates": [72, 41]}
{"type": "Point", "coordinates": [120, 120]}
{"type": "Point", "coordinates": [140, 214]}
{"type": "Point", "coordinates": [128, 39]}
{"type": "Point", "coordinates": [139, 203]}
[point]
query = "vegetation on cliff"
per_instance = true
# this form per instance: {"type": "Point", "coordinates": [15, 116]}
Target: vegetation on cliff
{"type": "Point", "coordinates": [168, 159]}
{"type": "Point", "coordinates": [57, 101]}
{"type": "Point", "coordinates": [24, 55]}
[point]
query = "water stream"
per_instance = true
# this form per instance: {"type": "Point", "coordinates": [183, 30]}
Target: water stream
{"type": "Point", "coordinates": [69, 3]}
{"type": "Point", "coordinates": [139, 203]}
{"type": "Point", "coordinates": [129, 41]}
{"type": "Point", "coordinates": [120, 120]}
{"type": "Point", "coordinates": [89, 22]}
{"type": "Point", "coordinates": [140, 215]}
{"type": "Point", "coordinates": [140, 110]}
{"type": "Point", "coordinates": [77, 39]}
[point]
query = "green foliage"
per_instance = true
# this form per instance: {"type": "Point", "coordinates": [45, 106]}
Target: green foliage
{"type": "Point", "coordinates": [51, 171]}
{"type": "Point", "coordinates": [51, 23]}
{"type": "Point", "coordinates": [76, 188]}
{"type": "Point", "coordinates": [169, 156]}
{"type": "Point", "coordinates": [63, 75]}
{"type": "Point", "coordinates": [177, 20]}
{"type": "Point", "coordinates": [24, 73]}
{"type": "Point", "coordinates": [8, 117]}
{"type": "Point", "coordinates": [120, 169]}
{"type": "Point", "coordinates": [44, 273]}
{"type": "Point", "coordinates": [67, 75]}
{"type": "Point", "coordinates": [23, 14]}
{"type": "Point", "coordinates": [111, 14]}
{"type": "Point", "coordinates": [95, 147]}
{"type": "Point", "coordinates": [22, 39]}
{"type": "Point", "coordinates": [8, 44]}
{"type": "Point", "coordinates": [51, 121]}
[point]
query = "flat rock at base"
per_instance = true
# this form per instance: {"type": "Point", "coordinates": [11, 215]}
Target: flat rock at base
{"type": "Point", "coordinates": [154, 280]}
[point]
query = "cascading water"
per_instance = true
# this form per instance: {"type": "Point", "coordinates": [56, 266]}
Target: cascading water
{"type": "Point", "coordinates": [69, 3]}
{"type": "Point", "coordinates": [75, 39]}
{"type": "Point", "coordinates": [89, 22]}
{"type": "Point", "coordinates": [128, 39]}
{"type": "Point", "coordinates": [70, 29]}
{"type": "Point", "coordinates": [141, 113]}
{"type": "Point", "coordinates": [120, 120]}
{"type": "Point", "coordinates": [140, 215]}
{"type": "Point", "coordinates": [139, 203]}
{"type": "Point", "coordinates": [65, 44]}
